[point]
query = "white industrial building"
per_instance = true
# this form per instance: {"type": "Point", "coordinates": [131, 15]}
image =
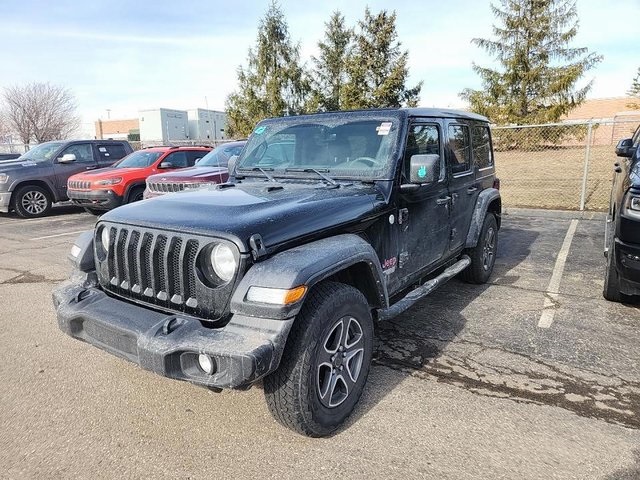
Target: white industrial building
{"type": "Point", "coordinates": [206, 125]}
{"type": "Point", "coordinates": [167, 125]}
{"type": "Point", "coordinates": [164, 124]}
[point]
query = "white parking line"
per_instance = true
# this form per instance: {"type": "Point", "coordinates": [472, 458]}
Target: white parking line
{"type": "Point", "coordinates": [58, 235]}
{"type": "Point", "coordinates": [549, 310]}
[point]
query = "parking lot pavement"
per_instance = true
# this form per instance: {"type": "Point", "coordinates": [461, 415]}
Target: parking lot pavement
{"type": "Point", "coordinates": [473, 382]}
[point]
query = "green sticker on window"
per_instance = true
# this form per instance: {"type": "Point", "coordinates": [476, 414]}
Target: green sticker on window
{"type": "Point", "coordinates": [422, 171]}
{"type": "Point", "coordinates": [259, 130]}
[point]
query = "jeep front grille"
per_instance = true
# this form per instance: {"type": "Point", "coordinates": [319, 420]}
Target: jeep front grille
{"type": "Point", "coordinates": [158, 268]}
{"type": "Point", "coordinates": [79, 185]}
{"type": "Point", "coordinates": [170, 187]}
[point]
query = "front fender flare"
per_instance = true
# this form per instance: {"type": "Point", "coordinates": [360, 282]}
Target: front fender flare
{"type": "Point", "coordinates": [306, 265]}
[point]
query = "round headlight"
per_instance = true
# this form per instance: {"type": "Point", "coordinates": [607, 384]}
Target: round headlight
{"type": "Point", "coordinates": [223, 262]}
{"type": "Point", "coordinates": [104, 238]}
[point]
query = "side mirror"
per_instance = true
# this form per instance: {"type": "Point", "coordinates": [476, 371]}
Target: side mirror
{"type": "Point", "coordinates": [166, 165]}
{"type": "Point", "coordinates": [625, 148]}
{"type": "Point", "coordinates": [231, 165]}
{"type": "Point", "coordinates": [67, 158]}
{"type": "Point", "coordinates": [424, 168]}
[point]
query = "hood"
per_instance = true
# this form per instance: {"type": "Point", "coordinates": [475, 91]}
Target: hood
{"type": "Point", "coordinates": [12, 165]}
{"type": "Point", "coordinates": [277, 212]}
{"type": "Point", "coordinates": [110, 172]}
{"type": "Point", "coordinates": [190, 174]}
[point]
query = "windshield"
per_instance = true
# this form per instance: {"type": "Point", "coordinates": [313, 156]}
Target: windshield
{"type": "Point", "coordinates": [139, 159]}
{"type": "Point", "coordinates": [344, 145]}
{"type": "Point", "coordinates": [219, 157]}
{"type": "Point", "coordinates": [42, 152]}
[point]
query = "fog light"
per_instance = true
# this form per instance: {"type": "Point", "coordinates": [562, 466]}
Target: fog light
{"type": "Point", "coordinates": [206, 364]}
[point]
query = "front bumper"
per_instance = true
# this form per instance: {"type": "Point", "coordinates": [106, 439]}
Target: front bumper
{"type": "Point", "coordinates": [98, 199]}
{"type": "Point", "coordinates": [5, 202]}
{"type": "Point", "coordinates": [245, 350]}
{"type": "Point", "coordinates": [628, 265]}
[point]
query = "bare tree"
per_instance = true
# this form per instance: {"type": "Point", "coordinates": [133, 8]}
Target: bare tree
{"type": "Point", "coordinates": [40, 112]}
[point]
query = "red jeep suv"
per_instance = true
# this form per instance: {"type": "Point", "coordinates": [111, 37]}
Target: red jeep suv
{"type": "Point", "coordinates": [124, 182]}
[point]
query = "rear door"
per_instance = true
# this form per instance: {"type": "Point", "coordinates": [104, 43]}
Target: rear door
{"type": "Point", "coordinates": [464, 188]}
{"type": "Point", "coordinates": [109, 153]}
{"type": "Point", "coordinates": [84, 161]}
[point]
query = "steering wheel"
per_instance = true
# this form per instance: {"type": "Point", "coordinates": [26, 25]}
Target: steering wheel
{"type": "Point", "coordinates": [371, 161]}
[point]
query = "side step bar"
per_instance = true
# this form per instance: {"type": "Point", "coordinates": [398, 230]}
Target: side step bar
{"type": "Point", "coordinates": [422, 291]}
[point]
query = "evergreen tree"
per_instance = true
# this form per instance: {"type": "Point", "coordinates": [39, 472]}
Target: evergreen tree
{"type": "Point", "coordinates": [273, 83]}
{"type": "Point", "coordinates": [634, 91]}
{"type": "Point", "coordinates": [377, 69]}
{"type": "Point", "coordinates": [539, 71]}
{"type": "Point", "coordinates": [329, 73]}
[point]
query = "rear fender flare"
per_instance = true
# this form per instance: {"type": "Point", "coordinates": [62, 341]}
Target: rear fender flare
{"type": "Point", "coordinates": [307, 265]}
{"type": "Point", "coordinates": [488, 197]}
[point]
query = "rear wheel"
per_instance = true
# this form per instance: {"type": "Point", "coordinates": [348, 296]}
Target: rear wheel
{"type": "Point", "coordinates": [325, 363]}
{"type": "Point", "coordinates": [32, 201]}
{"type": "Point", "coordinates": [483, 255]}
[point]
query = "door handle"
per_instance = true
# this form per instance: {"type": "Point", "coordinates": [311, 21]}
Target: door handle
{"type": "Point", "coordinates": [90, 168]}
{"type": "Point", "coordinates": [443, 200]}
{"type": "Point", "coordinates": [470, 190]}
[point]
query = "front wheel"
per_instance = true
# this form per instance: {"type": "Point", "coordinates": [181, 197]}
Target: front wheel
{"type": "Point", "coordinates": [611, 290]}
{"type": "Point", "coordinates": [32, 201]}
{"type": "Point", "coordinates": [325, 363]}
{"type": "Point", "coordinates": [483, 255]}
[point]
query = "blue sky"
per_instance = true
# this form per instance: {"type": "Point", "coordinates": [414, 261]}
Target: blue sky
{"type": "Point", "coordinates": [126, 56]}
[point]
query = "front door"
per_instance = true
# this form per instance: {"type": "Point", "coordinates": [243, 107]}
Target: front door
{"type": "Point", "coordinates": [423, 216]}
{"type": "Point", "coordinates": [84, 161]}
{"type": "Point", "coordinates": [463, 187]}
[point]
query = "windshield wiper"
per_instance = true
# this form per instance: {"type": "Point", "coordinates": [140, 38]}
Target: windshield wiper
{"type": "Point", "coordinates": [316, 171]}
{"type": "Point", "coordinates": [264, 172]}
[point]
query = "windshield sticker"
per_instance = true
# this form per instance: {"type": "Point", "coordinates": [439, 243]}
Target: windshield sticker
{"type": "Point", "coordinates": [384, 128]}
{"type": "Point", "coordinates": [422, 171]}
{"type": "Point", "coordinates": [260, 130]}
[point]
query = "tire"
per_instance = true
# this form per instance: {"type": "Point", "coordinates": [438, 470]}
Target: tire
{"type": "Point", "coordinates": [93, 211]}
{"type": "Point", "coordinates": [611, 290]}
{"type": "Point", "coordinates": [136, 194]}
{"type": "Point", "coordinates": [32, 201]}
{"type": "Point", "coordinates": [314, 390]}
{"type": "Point", "coordinates": [483, 255]}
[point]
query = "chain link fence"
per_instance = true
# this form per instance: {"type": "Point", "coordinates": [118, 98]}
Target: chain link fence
{"type": "Point", "coordinates": [567, 166]}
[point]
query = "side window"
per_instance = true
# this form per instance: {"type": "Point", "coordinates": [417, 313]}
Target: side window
{"type": "Point", "coordinates": [459, 148]}
{"type": "Point", "coordinates": [194, 155]}
{"type": "Point", "coordinates": [636, 138]}
{"type": "Point", "coordinates": [481, 147]}
{"type": "Point", "coordinates": [177, 159]}
{"type": "Point", "coordinates": [111, 153]}
{"type": "Point", "coordinates": [422, 140]}
{"type": "Point", "coordinates": [82, 151]}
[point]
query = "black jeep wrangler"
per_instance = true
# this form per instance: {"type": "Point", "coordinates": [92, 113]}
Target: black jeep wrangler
{"type": "Point", "coordinates": [622, 232]}
{"type": "Point", "coordinates": [329, 223]}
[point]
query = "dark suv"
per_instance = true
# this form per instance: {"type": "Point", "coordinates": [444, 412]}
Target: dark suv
{"type": "Point", "coordinates": [31, 183]}
{"type": "Point", "coordinates": [622, 232]}
{"type": "Point", "coordinates": [281, 273]}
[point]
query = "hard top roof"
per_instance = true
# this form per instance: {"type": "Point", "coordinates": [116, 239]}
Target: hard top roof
{"type": "Point", "coordinates": [408, 112]}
